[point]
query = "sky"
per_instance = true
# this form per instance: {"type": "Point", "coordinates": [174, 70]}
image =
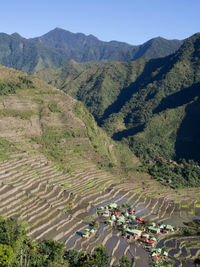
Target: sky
{"type": "Point", "coordinates": [130, 21]}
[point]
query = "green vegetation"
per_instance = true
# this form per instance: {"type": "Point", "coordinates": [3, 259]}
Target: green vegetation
{"type": "Point", "coordinates": [113, 154]}
{"type": "Point", "coordinates": [56, 132]}
{"type": "Point", "coordinates": [58, 46]}
{"type": "Point", "coordinates": [16, 250]}
{"type": "Point", "coordinates": [124, 262]}
{"type": "Point", "coordinates": [182, 174]}
{"type": "Point", "coordinates": [193, 228]}
{"type": "Point", "coordinates": [6, 148]}
{"type": "Point", "coordinates": [150, 105]}
{"type": "Point", "coordinates": [53, 107]}
{"type": "Point", "coordinates": [53, 140]}
{"type": "Point", "coordinates": [21, 114]}
{"type": "Point", "coordinates": [7, 88]}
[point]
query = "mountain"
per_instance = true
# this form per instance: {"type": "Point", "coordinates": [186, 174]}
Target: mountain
{"type": "Point", "coordinates": [59, 46]}
{"type": "Point", "coordinates": [57, 167]}
{"type": "Point", "coordinates": [38, 117]}
{"type": "Point", "coordinates": [20, 53]}
{"type": "Point", "coordinates": [95, 84]}
{"type": "Point", "coordinates": [84, 48]}
{"type": "Point", "coordinates": [153, 105]}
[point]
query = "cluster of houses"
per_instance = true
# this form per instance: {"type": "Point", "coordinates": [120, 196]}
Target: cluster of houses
{"type": "Point", "coordinates": [132, 227]}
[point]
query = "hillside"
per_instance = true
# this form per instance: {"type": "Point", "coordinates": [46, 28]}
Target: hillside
{"type": "Point", "coordinates": [57, 167]}
{"type": "Point", "coordinates": [59, 46]}
{"type": "Point", "coordinates": [36, 115]}
{"type": "Point", "coordinates": [152, 105]}
{"type": "Point", "coordinates": [25, 55]}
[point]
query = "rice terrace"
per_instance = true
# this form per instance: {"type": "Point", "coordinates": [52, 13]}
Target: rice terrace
{"type": "Point", "coordinates": [99, 151]}
{"type": "Point", "coordinates": [62, 206]}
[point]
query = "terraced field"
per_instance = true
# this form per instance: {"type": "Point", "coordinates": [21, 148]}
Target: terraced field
{"type": "Point", "coordinates": [59, 206]}
{"type": "Point", "coordinates": [182, 250]}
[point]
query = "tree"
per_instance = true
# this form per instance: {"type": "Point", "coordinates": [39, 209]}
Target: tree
{"type": "Point", "coordinates": [6, 255]}
{"type": "Point", "coordinates": [124, 262]}
{"type": "Point", "coordinates": [53, 249]}
{"type": "Point", "coordinates": [73, 257]}
{"type": "Point", "coordinates": [100, 257]}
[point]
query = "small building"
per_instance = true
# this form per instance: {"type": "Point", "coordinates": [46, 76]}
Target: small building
{"type": "Point", "coordinates": [157, 251]}
{"type": "Point", "coordinates": [86, 234]}
{"type": "Point", "coordinates": [134, 232]}
{"type": "Point", "coordinates": [126, 214]}
{"type": "Point", "coordinates": [152, 224]}
{"type": "Point", "coordinates": [121, 219]}
{"type": "Point", "coordinates": [165, 253]}
{"type": "Point", "coordinates": [151, 243]}
{"type": "Point", "coordinates": [155, 230]}
{"type": "Point", "coordinates": [100, 208]}
{"type": "Point", "coordinates": [132, 217]}
{"type": "Point", "coordinates": [162, 226]}
{"type": "Point", "coordinates": [106, 213]}
{"type": "Point", "coordinates": [145, 235]}
{"type": "Point", "coordinates": [124, 226]}
{"type": "Point", "coordinates": [153, 238]}
{"type": "Point", "coordinates": [113, 218]}
{"type": "Point", "coordinates": [155, 258]}
{"type": "Point", "coordinates": [110, 222]}
{"type": "Point", "coordinates": [113, 205]}
{"type": "Point", "coordinates": [117, 213]}
{"type": "Point", "coordinates": [169, 228]}
{"type": "Point", "coordinates": [131, 211]}
{"type": "Point", "coordinates": [134, 223]}
{"type": "Point", "coordinates": [92, 231]}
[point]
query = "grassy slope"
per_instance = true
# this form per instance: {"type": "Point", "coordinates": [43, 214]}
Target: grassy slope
{"type": "Point", "coordinates": [39, 118]}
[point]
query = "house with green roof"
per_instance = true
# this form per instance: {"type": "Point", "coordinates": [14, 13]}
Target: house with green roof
{"type": "Point", "coordinates": [165, 253]}
{"type": "Point", "coordinates": [154, 229]}
{"type": "Point", "coordinates": [134, 231]}
{"type": "Point", "coordinates": [113, 205]}
{"type": "Point", "coordinates": [121, 219]}
{"type": "Point", "coordinates": [169, 227]}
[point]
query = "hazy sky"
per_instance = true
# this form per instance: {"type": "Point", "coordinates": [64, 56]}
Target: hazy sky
{"type": "Point", "coordinates": [131, 21]}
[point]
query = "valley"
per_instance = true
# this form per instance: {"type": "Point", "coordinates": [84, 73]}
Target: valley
{"type": "Point", "coordinates": [150, 105]}
{"type": "Point", "coordinates": [57, 205]}
{"type": "Point", "coordinates": [59, 163]}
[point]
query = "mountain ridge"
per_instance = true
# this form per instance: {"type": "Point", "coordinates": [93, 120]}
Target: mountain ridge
{"type": "Point", "coordinates": [58, 46]}
{"type": "Point", "coordinates": [142, 101]}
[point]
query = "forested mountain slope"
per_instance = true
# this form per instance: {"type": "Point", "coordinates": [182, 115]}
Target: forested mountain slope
{"type": "Point", "coordinates": [59, 46]}
{"type": "Point", "coordinates": [153, 104]}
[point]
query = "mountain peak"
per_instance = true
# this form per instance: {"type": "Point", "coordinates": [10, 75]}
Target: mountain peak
{"type": "Point", "coordinates": [16, 34]}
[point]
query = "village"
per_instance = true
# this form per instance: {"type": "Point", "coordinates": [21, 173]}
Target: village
{"type": "Point", "coordinates": [133, 228]}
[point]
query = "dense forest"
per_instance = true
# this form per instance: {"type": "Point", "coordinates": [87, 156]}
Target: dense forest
{"type": "Point", "coordinates": [58, 46]}
{"type": "Point", "coordinates": [152, 105]}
